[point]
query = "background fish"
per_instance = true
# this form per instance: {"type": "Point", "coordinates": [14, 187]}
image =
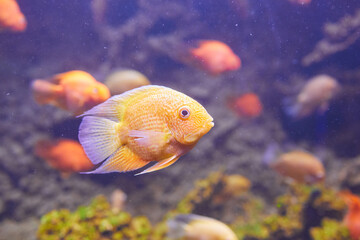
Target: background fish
{"type": "Point", "coordinates": [65, 155]}
{"type": "Point", "coordinates": [300, 166]}
{"type": "Point", "coordinates": [121, 81]}
{"type": "Point", "coordinates": [150, 123]}
{"type": "Point", "coordinates": [352, 217]}
{"type": "Point", "coordinates": [215, 57]}
{"type": "Point", "coordinates": [314, 96]}
{"type": "Point", "coordinates": [195, 227]}
{"type": "Point", "coordinates": [74, 91]}
{"type": "Point", "coordinates": [247, 106]}
{"type": "Point", "coordinates": [11, 17]}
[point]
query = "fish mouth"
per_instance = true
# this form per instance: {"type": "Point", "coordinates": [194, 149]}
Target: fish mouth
{"type": "Point", "coordinates": [195, 136]}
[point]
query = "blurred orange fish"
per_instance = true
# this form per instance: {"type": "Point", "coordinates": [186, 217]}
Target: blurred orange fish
{"type": "Point", "coordinates": [215, 57]}
{"type": "Point", "coordinates": [352, 217]}
{"type": "Point", "coordinates": [11, 17]}
{"type": "Point", "coordinates": [300, 166]}
{"type": "Point", "coordinates": [74, 91]}
{"type": "Point", "coordinates": [247, 106]}
{"type": "Point", "coordinates": [65, 155]}
{"type": "Point", "coordinates": [147, 124]}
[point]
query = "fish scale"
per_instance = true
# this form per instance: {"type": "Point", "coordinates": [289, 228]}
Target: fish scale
{"type": "Point", "coordinates": [148, 127]}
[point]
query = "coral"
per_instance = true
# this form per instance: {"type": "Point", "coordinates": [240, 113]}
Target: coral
{"type": "Point", "coordinates": [96, 221]}
{"type": "Point", "coordinates": [338, 37]}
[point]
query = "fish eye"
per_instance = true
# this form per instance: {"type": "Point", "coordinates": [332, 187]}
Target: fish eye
{"type": "Point", "coordinates": [184, 112]}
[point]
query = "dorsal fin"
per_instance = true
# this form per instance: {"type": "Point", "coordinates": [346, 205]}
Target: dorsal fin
{"type": "Point", "coordinates": [111, 108]}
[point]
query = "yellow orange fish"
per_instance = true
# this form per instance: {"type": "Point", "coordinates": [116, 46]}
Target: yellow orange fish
{"type": "Point", "coordinates": [65, 155]}
{"type": "Point", "coordinates": [300, 166]}
{"type": "Point", "coordinates": [215, 57]}
{"type": "Point", "coordinates": [195, 227]}
{"type": "Point", "coordinates": [352, 217]}
{"type": "Point", "coordinates": [11, 17]}
{"type": "Point", "coordinates": [146, 124]}
{"type": "Point", "coordinates": [74, 91]}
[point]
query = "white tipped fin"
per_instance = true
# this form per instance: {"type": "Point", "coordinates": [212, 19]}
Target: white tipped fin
{"type": "Point", "coordinates": [100, 137]}
{"type": "Point", "coordinates": [160, 165]}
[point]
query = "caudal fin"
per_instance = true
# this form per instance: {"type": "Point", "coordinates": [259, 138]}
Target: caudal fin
{"type": "Point", "coordinates": [100, 137]}
{"type": "Point", "coordinates": [291, 108]}
{"type": "Point", "coordinates": [176, 226]}
{"type": "Point", "coordinates": [45, 92]}
{"type": "Point", "coordinates": [270, 154]}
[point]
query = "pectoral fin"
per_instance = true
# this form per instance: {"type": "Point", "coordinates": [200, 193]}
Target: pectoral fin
{"type": "Point", "coordinates": [160, 165]}
{"type": "Point", "coordinates": [147, 138]}
{"type": "Point", "coordinates": [74, 101]}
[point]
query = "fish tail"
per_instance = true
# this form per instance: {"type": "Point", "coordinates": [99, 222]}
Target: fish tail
{"type": "Point", "coordinates": [270, 154]}
{"type": "Point", "coordinates": [45, 92]}
{"type": "Point", "coordinates": [176, 226]}
{"type": "Point", "coordinates": [291, 108]}
{"type": "Point", "coordinates": [42, 148]}
{"type": "Point", "coordinates": [100, 137]}
{"type": "Point", "coordinates": [104, 142]}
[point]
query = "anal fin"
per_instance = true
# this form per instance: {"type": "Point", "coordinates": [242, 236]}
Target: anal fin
{"type": "Point", "coordinates": [160, 165]}
{"type": "Point", "coordinates": [123, 160]}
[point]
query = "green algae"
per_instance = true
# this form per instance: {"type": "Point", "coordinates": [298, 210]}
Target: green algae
{"type": "Point", "coordinates": [304, 212]}
{"type": "Point", "coordinates": [95, 221]}
{"type": "Point", "coordinates": [330, 230]}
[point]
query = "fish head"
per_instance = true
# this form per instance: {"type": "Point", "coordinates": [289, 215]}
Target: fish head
{"type": "Point", "coordinates": [20, 24]}
{"type": "Point", "coordinates": [100, 92]}
{"type": "Point", "coordinates": [189, 122]}
{"type": "Point", "coordinates": [233, 62]}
